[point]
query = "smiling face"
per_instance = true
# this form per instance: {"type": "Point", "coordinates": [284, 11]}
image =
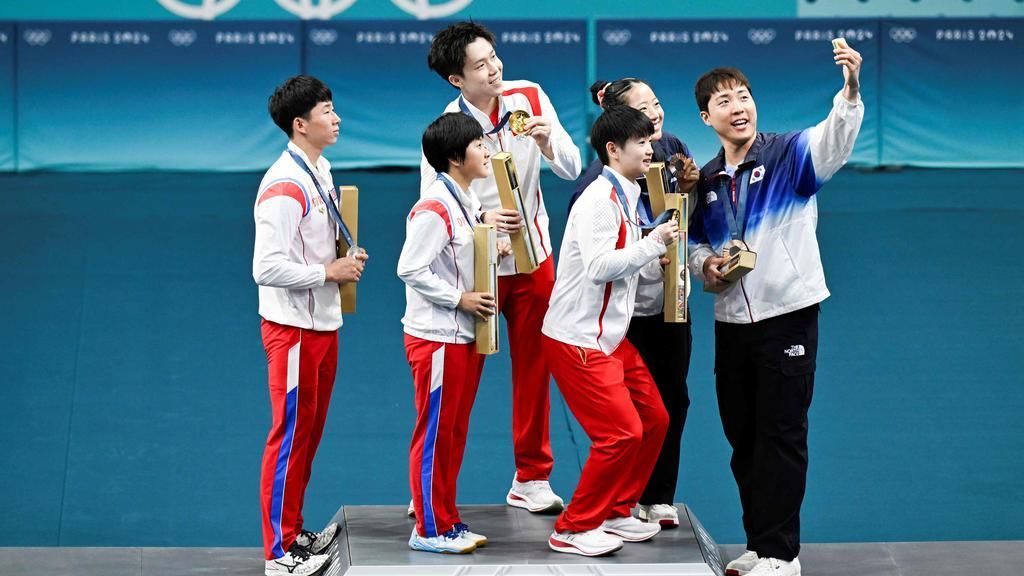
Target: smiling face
{"type": "Point", "coordinates": [642, 98]}
{"type": "Point", "coordinates": [732, 113]}
{"type": "Point", "coordinates": [633, 158]}
{"type": "Point", "coordinates": [481, 75]}
{"type": "Point", "coordinates": [322, 127]}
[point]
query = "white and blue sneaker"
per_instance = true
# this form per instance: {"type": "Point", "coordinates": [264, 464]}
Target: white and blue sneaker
{"type": "Point", "coordinates": [451, 542]}
{"type": "Point", "coordinates": [462, 529]}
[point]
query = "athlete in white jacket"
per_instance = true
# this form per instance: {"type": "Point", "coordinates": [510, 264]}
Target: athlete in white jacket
{"type": "Point", "coordinates": [295, 265]}
{"type": "Point", "coordinates": [760, 193]}
{"type": "Point", "coordinates": [463, 54]}
{"type": "Point", "coordinates": [442, 306]}
{"type": "Point", "coordinates": [604, 381]}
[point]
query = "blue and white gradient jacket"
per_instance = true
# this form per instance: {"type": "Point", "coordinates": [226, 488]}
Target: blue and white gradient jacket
{"type": "Point", "coordinates": [781, 173]}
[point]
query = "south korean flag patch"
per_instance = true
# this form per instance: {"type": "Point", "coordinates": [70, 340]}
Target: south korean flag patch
{"type": "Point", "coordinates": [757, 174]}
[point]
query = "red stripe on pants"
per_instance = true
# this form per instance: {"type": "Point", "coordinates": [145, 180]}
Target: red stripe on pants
{"type": "Point", "coordinates": [617, 403]}
{"type": "Point", "coordinates": [456, 369]}
{"type": "Point", "coordinates": [314, 375]}
{"type": "Point", "coordinates": [523, 300]}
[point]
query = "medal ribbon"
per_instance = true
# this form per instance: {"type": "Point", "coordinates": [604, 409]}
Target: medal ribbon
{"type": "Point", "coordinates": [501, 123]}
{"type": "Point", "coordinates": [455, 194]}
{"type": "Point", "coordinates": [331, 208]}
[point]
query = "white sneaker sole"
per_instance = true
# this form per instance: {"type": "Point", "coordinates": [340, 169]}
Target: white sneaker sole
{"type": "Point", "coordinates": [285, 572]}
{"type": "Point", "coordinates": [421, 547]}
{"type": "Point", "coordinates": [518, 501]}
{"type": "Point", "coordinates": [567, 548]}
{"type": "Point", "coordinates": [629, 536]}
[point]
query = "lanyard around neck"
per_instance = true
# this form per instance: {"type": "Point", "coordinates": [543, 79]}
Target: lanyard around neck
{"type": "Point", "coordinates": [497, 128]}
{"type": "Point", "coordinates": [735, 214]}
{"type": "Point", "coordinates": [619, 191]}
{"type": "Point", "coordinates": [331, 208]}
{"type": "Point", "coordinates": [451, 190]}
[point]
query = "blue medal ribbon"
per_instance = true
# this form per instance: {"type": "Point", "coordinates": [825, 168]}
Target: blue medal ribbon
{"type": "Point", "coordinates": [455, 194]}
{"type": "Point", "coordinates": [501, 123]}
{"type": "Point", "coordinates": [735, 215]}
{"type": "Point", "coordinates": [619, 191]}
{"type": "Point", "coordinates": [645, 221]}
{"type": "Point", "coordinates": [331, 208]}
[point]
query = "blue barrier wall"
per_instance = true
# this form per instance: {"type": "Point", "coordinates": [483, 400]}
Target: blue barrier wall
{"type": "Point", "coordinates": [192, 95]}
{"type": "Point", "coordinates": [952, 92]}
{"type": "Point", "coordinates": [151, 95]}
{"type": "Point", "coordinates": [7, 81]}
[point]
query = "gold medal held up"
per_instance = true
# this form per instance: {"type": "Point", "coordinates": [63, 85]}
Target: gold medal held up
{"type": "Point", "coordinates": [517, 122]}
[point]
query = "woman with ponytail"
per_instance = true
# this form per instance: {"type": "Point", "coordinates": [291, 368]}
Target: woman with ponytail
{"type": "Point", "coordinates": [664, 346]}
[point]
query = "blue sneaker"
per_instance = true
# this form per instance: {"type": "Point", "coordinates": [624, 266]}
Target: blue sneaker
{"type": "Point", "coordinates": [451, 542]}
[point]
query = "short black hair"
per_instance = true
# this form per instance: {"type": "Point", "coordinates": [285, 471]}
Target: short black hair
{"type": "Point", "coordinates": [618, 124]}
{"type": "Point", "coordinates": [447, 54]}
{"type": "Point", "coordinates": [448, 137]}
{"type": "Point", "coordinates": [715, 80]}
{"type": "Point", "coordinates": [296, 98]}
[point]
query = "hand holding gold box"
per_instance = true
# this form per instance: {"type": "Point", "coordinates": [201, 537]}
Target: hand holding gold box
{"type": "Point", "coordinates": [527, 259]}
{"type": "Point", "coordinates": [676, 277]}
{"type": "Point", "coordinates": [739, 261]}
{"type": "Point", "coordinates": [348, 207]}
{"type": "Point", "coordinates": [485, 279]}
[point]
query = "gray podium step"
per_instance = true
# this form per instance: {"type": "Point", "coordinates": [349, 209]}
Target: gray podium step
{"type": "Point", "coordinates": [374, 541]}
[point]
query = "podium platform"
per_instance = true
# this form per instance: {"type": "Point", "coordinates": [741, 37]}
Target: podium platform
{"type": "Point", "coordinates": [374, 540]}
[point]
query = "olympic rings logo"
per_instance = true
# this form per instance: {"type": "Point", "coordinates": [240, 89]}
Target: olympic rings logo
{"type": "Point", "coordinates": [207, 10]}
{"type": "Point", "coordinates": [425, 10]}
{"type": "Point", "coordinates": [616, 37]}
{"type": "Point", "coordinates": [761, 35]}
{"type": "Point", "coordinates": [322, 37]}
{"type": "Point", "coordinates": [902, 35]}
{"type": "Point", "coordinates": [182, 38]}
{"type": "Point", "coordinates": [37, 37]}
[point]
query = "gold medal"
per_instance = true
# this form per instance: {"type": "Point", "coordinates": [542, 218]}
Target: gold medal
{"type": "Point", "coordinates": [517, 121]}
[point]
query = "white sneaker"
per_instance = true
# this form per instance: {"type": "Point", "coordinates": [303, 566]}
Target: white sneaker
{"type": "Point", "coordinates": [463, 530]}
{"type": "Point", "coordinates": [666, 515]}
{"type": "Point", "coordinates": [589, 543]}
{"type": "Point", "coordinates": [450, 542]}
{"type": "Point", "coordinates": [743, 564]}
{"type": "Point", "coordinates": [535, 496]}
{"type": "Point", "coordinates": [318, 542]}
{"type": "Point", "coordinates": [630, 529]}
{"type": "Point", "coordinates": [776, 567]}
{"type": "Point", "coordinates": [297, 561]}
{"type": "Point", "coordinates": [411, 512]}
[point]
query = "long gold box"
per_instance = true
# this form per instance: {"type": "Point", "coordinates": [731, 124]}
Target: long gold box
{"type": "Point", "coordinates": [676, 277]}
{"type": "Point", "coordinates": [485, 279]}
{"type": "Point", "coordinates": [511, 198]}
{"type": "Point", "coordinates": [348, 207]}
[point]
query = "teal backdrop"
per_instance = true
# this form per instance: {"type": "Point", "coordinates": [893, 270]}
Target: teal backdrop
{"type": "Point", "coordinates": [133, 378]}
